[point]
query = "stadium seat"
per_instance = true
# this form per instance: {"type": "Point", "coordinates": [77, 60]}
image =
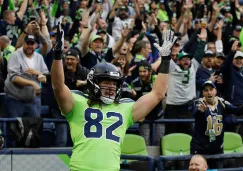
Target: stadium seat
{"type": "Point", "coordinates": [232, 143]}
{"type": "Point", "coordinates": [134, 145]}
{"type": "Point", "coordinates": [175, 144]}
{"type": "Point", "coordinates": [134, 129]}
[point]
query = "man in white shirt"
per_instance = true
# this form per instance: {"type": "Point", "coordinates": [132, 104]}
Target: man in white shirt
{"type": "Point", "coordinates": [182, 87]}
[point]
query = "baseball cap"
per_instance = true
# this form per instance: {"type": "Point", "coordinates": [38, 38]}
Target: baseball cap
{"type": "Point", "coordinates": [96, 37]}
{"type": "Point", "coordinates": [123, 8]}
{"type": "Point", "coordinates": [208, 53]}
{"type": "Point", "coordinates": [161, 1]}
{"type": "Point", "coordinates": [238, 54]}
{"type": "Point", "coordinates": [164, 21]}
{"type": "Point", "coordinates": [220, 54]}
{"type": "Point", "coordinates": [72, 52]}
{"type": "Point", "coordinates": [183, 54]}
{"type": "Point", "coordinates": [30, 38]}
{"type": "Point", "coordinates": [208, 83]}
{"type": "Point", "coordinates": [227, 9]}
{"type": "Point", "coordinates": [145, 65]}
{"type": "Point", "coordinates": [238, 28]}
{"type": "Point", "coordinates": [101, 31]}
{"type": "Point", "coordinates": [52, 33]}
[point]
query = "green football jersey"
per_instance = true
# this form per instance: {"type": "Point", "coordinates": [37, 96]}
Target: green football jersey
{"type": "Point", "coordinates": [97, 133]}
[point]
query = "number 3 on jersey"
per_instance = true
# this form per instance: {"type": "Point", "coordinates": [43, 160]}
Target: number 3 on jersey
{"type": "Point", "coordinates": [96, 122]}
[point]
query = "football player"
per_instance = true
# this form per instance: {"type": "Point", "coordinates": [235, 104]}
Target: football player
{"type": "Point", "coordinates": [98, 122]}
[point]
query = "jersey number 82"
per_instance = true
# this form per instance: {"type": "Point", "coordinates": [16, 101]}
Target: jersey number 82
{"type": "Point", "coordinates": [96, 122]}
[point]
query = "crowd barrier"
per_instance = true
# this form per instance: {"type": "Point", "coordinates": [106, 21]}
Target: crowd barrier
{"type": "Point", "coordinates": [6, 120]}
{"type": "Point", "coordinates": [57, 159]}
{"type": "Point", "coordinates": [49, 159]}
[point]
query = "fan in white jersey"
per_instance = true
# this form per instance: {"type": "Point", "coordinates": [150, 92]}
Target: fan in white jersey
{"type": "Point", "coordinates": [182, 86]}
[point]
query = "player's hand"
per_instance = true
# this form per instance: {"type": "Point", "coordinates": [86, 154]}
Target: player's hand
{"type": "Point", "coordinates": [59, 42]}
{"type": "Point", "coordinates": [202, 107]}
{"type": "Point", "coordinates": [169, 39]}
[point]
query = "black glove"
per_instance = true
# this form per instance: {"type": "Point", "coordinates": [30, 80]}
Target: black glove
{"type": "Point", "coordinates": [59, 43]}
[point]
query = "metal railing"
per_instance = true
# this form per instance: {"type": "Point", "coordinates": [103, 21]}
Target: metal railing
{"type": "Point", "coordinates": [6, 120]}
{"type": "Point", "coordinates": [68, 151]}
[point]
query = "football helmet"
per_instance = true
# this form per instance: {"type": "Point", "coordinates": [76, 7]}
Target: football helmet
{"type": "Point", "coordinates": [100, 72]}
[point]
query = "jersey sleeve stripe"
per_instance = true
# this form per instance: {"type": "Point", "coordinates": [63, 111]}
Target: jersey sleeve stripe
{"type": "Point", "coordinates": [79, 93]}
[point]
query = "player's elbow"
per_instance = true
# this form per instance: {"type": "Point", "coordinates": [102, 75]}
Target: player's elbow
{"type": "Point", "coordinates": [159, 95]}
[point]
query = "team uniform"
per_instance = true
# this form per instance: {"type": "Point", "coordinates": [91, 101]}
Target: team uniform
{"type": "Point", "coordinates": [208, 135]}
{"type": "Point", "coordinates": [97, 133]}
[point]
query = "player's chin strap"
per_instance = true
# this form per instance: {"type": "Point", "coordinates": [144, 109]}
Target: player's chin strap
{"type": "Point", "coordinates": [106, 100]}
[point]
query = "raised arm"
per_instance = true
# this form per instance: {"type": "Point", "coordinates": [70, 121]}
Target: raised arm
{"type": "Point", "coordinates": [214, 16]}
{"type": "Point", "coordinates": [201, 45]}
{"type": "Point", "coordinates": [22, 9]}
{"type": "Point", "coordinates": [63, 94]}
{"type": "Point", "coordinates": [27, 30]}
{"type": "Point", "coordinates": [120, 42]}
{"type": "Point", "coordinates": [146, 103]}
{"type": "Point", "coordinates": [44, 36]}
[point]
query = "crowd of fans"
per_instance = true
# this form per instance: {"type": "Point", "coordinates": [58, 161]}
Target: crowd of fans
{"type": "Point", "coordinates": [121, 32]}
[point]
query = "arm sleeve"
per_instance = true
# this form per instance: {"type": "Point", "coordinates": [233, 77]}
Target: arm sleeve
{"type": "Point", "coordinates": [200, 51]}
{"type": "Point", "coordinates": [73, 9]}
{"type": "Point", "coordinates": [199, 80]}
{"type": "Point", "coordinates": [230, 109]}
{"type": "Point", "coordinates": [11, 4]}
{"type": "Point", "coordinates": [219, 45]}
{"type": "Point", "coordinates": [14, 66]}
{"type": "Point", "coordinates": [44, 68]}
{"type": "Point", "coordinates": [168, 10]}
{"type": "Point", "coordinates": [227, 65]}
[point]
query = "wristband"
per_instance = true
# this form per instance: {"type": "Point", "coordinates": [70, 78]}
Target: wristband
{"type": "Point", "coordinates": [58, 56]}
{"type": "Point", "coordinates": [42, 39]}
{"type": "Point", "coordinates": [165, 65]}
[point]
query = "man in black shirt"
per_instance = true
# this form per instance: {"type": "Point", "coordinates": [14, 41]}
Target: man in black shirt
{"type": "Point", "coordinates": [208, 134]}
{"type": "Point", "coordinates": [75, 74]}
